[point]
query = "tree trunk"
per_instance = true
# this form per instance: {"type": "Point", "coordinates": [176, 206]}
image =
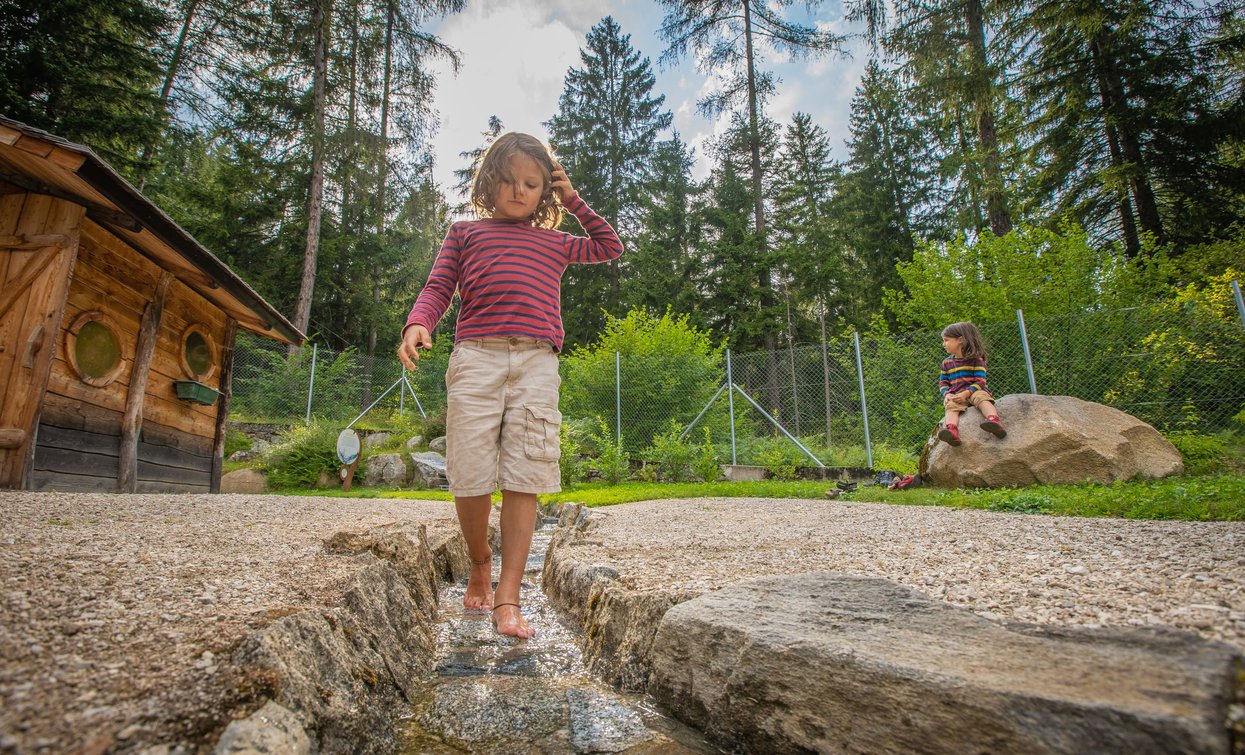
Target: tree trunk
{"type": "Point", "coordinates": [999, 216]}
{"type": "Point", "coordinates": [1115, 105]}
{"type": "Point", "coordinates": [764, 279]}
{"type": "Point", "coordinates": [1128, 224]}
{"type": "Point", "coordinates": [144, 160]}
{"type": "Point", "coordinates": [302, 310]}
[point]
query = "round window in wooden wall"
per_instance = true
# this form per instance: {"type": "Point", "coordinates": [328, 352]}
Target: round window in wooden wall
{"type": "Point", "coordinates": [198, 353]}
{"type": "Point", "coordinates": [93, 349]}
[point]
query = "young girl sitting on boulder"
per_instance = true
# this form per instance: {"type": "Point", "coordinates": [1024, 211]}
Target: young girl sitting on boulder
{"type": "Point", "coordinates": [963, 382]}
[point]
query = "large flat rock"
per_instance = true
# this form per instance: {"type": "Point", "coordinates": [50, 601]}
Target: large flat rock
{"type": "Point", "coordinates": [830, 662]}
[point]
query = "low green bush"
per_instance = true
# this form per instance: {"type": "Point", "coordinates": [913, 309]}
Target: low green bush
{"type": "Point", "coordinates": [302, 453]}
{"type": "Point", "coordinates": [612, 461]}
{"type": "Point", "coordinates": [236, 440]}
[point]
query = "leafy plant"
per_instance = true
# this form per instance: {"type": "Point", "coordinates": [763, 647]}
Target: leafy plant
{"type": "Point", "coordinates": [236, 440]}
{"type": "Point", "coordinates": [571, 467]}
{"type": "Point", "coordinates": [612, 461]}
{"type": "Point", "coordinates": [1202, 454]}
{"type": "Point", "coordinates": [301, 455]}
{"type": "Point", "coordinates": [672, 456]}
{"type": "Point", "coordinates": [705, 464]}
{"type": "Point", "coordinates": [778, 461]}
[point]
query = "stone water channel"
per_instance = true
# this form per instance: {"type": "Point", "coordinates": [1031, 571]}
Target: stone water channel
{"type": "Point", "coordinates": [495, 694]}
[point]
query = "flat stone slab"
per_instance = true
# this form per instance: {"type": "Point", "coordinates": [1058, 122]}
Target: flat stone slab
{"type": "Point", "coordinates": [834, 663]}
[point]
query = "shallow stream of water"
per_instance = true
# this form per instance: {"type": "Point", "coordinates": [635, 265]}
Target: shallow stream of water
{"type": "Point", "coordinates": [495, 694]}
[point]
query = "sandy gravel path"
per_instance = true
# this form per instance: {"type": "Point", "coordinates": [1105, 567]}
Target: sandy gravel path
{"type": "Point", "coordinates": [1048, 570]}
{"type": "Point", "coordinates": [115, 609]}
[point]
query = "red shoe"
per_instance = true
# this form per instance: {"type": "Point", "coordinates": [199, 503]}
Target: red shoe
{"type": "Point", "coordinates": [993, 426]}
{"type": "Point", "coordinates": [950, 434]}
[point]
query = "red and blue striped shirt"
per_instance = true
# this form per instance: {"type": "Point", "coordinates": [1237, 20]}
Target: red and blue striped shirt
{"type": "Point", "coordinates": [509, 275]}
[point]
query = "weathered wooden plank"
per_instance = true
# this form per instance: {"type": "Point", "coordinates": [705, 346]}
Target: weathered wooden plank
{"type": "Point", "coordinates": [161, 473]}
{"type": "Point", "coordinates": [77, 415]}
{"type": "Point", "coordinates": [155, 434]}
{"type": "Point", "coordinates": [63, 382]}
{"type": "Point", "coordinates": [49, 459]}
{"type": "Point", "coordinates": [155, 453]}
{"type": "Point", "coordinates": [71, 439]}
{"type": "Point", "coordinates": [9, 135]}
{"type": "Point", "coordinates": [12, 437]}
{"type": "Point", "coordinates": [30, 371]}
{"type": "Point", "coordinates": [67, 482]}
{"type": "Point", "coordinates": [133, 416]}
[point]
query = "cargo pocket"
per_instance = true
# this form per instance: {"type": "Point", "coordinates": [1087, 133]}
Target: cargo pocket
{"type": "Point", "coordinates": [541, 440]}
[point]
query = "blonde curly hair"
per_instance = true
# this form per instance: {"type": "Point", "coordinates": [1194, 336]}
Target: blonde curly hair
{"type": "Point", "coordinates": [495, 166]}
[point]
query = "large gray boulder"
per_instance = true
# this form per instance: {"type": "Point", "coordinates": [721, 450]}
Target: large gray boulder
{"type": "Point", "coordinates": [387, 469]}
{"type": "Point", "coordinates": [428, 470]}
{"type": "Point", "coordinates": [1050, 439]}
{"type": "Point", "coordinates": [826, 662]}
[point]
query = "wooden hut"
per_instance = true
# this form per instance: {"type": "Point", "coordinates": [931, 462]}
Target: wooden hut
{"type": "Point", "coordinates": [116, 330]}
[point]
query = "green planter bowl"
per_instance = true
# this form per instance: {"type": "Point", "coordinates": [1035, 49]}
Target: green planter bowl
{"type": "Point", "coordinates": [193, 390]}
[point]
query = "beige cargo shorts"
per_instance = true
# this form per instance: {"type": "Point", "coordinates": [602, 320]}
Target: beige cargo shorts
{"type": "Point", "coordinates": [502, 420]}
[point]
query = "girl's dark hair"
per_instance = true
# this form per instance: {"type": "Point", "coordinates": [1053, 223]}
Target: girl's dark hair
{"type": "Point", "coordinates": [974, 344]}
{"type": "Point", "coordinates": [495, 167]}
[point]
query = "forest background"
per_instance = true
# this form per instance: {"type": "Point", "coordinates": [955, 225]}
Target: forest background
{"type": "Point", "coordinates": [1055, 157]}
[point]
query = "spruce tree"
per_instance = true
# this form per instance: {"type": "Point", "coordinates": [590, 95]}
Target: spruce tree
{"type": "Point", "coordinates": [605, 134]}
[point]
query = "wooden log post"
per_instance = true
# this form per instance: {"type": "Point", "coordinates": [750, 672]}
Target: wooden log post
{"type": "Point", "coordinates": [222, 404]}
{"type": "Point", "coordinates": [132, 420]}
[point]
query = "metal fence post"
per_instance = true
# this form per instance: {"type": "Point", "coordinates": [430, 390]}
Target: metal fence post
{"type": "Point", "coordinates": [402, 394]}
{"type": "Point", "coordinates": [1240, 303]}
{"type": "Point", "coordinates": [618, 399]}
{"type": "Point", "coordinates": [311, 384]}
{"type": "Point", "coordinates": [1024, 344]}
{"type": "Point", "coordinates": [730, 400]}
{"type": "Point", "coordinates": [864, 406]}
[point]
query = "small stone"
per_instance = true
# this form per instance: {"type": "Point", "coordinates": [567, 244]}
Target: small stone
{"type": "Point", "coordinates": [128, 731]}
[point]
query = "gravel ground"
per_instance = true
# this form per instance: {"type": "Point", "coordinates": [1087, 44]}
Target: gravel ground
{"type": "Point", "coordinates": [1040, 569]}
{"type": "Point", "coordinates": [115, 609]}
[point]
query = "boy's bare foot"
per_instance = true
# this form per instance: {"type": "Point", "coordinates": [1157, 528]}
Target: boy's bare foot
{"type": "Point", "coordinates": [480, 585]}
{"type": "Point", "coordinates": [507, 619]}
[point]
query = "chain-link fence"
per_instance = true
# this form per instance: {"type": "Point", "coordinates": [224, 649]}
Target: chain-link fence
{"type": "Point", "coordinates": [1179, 365]}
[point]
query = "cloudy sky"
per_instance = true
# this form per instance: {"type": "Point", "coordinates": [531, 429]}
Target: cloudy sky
{"type": "Point", "coordinates": [515, 54]}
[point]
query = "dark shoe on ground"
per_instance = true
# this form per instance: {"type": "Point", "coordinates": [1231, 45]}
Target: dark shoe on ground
{"type": "Point", "coordinates": [845, 486]}
{"type": "Point", "coordinates": [949, 434]}
{"type": "Point", "coordinates": [885, 477]}
{"type": "Point", "coordinates": [993, 426]}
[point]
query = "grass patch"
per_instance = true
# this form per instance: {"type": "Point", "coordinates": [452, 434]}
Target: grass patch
{"type": "Point", "coordinates": [603, 494]}
{"type": "Point", "coordinates": [1218, 498]}
{"type": "Point", "coordinates": [1199, 499]}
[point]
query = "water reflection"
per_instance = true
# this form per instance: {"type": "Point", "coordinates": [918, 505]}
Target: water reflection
{"type": "Point", "coordinates": [495, 694]}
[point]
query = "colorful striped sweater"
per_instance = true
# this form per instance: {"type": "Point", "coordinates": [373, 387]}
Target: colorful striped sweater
{"type": "Point", "coordinates": [509, 275]}
{"type": "Point", "coordinates": [960, 373]}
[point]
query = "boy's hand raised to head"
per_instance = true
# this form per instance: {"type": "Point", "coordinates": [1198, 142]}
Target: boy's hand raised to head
{"type": "Point", "coordinates": [561, 184]}
{"type": "Point", "coordinates": [414, 338]}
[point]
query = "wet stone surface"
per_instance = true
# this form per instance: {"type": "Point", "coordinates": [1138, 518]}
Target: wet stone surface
{"type": "Point", "coordinates": [494, 694]}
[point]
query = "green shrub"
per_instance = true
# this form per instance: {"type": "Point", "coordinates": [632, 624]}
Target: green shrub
{"type": "Point", "coordinates": [612, 461]}
{"type": "Point", "coordinates": [672, 456]}
{"type": "Point", "coordinates": [1202, 454]}
{"type": "Point", "coordinates": [779, 462]}
{"type": "Point", "coordinates": [236, 440]}
{"type": "Point", "coordinates": [571, 467]}
{"type": "Point", "coordinates": [705, 465]}
{"type": "Point", "coordinates": [666, 365]}
{"type": "Point", "coordinates": [301, 454]}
